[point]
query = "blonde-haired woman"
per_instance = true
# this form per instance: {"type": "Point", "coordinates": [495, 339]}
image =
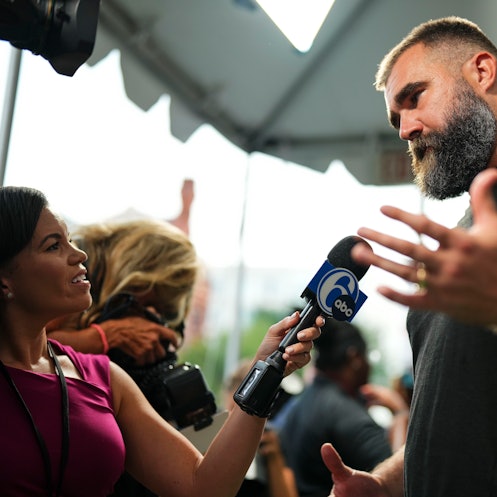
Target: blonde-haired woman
{"type": "Point", "coordinates": [152, 261]}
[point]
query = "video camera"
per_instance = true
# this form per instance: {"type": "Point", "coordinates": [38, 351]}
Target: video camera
{"type": "Point", "coordinates": [178, 392]}
{"type": "Point", "coordinates": [61, 31]}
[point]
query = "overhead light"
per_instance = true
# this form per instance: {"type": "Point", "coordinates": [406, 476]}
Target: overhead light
{"type": "Point", "coordinates": [299, 20]}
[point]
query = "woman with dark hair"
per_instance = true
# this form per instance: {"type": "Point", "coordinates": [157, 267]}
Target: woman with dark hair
{"type": "Point", "coordinates": [72, 422]}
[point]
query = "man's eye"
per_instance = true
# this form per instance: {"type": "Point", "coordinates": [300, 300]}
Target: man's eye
{"type": "Point", "coordinates": [415, 98]}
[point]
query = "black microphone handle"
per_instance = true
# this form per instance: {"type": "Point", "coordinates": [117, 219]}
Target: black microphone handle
{"type": "Point", "coordinates": [258, 390]}
{"type": "Point", "coordinates": [308, 317]}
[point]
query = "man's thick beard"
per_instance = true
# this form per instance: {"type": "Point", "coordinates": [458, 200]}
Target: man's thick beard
{"type": "Point", "coordinates": [459, 152]}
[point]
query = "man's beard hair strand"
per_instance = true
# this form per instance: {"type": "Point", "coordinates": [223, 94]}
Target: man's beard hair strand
{"type": "Point", "coordinates": [459, 152]}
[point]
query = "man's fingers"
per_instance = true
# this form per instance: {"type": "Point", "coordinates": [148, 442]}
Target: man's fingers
{"type": "Point", "coordinates": [483, 200]}
{"type": "Point", "coordinates": [334, 463]}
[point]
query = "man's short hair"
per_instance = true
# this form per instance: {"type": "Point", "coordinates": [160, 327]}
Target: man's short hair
{"type": "Point", "coordinates": [459, 36]}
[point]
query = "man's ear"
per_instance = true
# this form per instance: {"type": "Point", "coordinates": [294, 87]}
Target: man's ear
{"type": "Point", "coordinates": [353, 358]}
{"type": "Point", "coordinates": [481, 72]}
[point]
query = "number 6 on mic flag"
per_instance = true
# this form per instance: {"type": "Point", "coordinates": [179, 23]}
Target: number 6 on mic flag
{"type": "Point", "coordinates": [337, 292]}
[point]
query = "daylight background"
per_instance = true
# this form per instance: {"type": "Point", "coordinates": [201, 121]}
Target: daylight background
{"type": "Point", "coordinates": [261, 226]}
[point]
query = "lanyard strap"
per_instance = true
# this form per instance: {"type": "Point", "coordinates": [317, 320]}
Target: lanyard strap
{"type": "Point", "coordinates": [65, 423]}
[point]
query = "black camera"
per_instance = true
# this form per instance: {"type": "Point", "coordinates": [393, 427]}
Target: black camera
{"type": "Point", "coordinates": [61, 31]}
{"type": "Point", "coordinates": [178, 392]}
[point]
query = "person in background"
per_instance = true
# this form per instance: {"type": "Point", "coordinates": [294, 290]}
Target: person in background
{"type": "Point", "coordinates": [333, 408]}
{"type": "Point", "coordinates": [268, 475]}
{"type": "Point", "coordinates": [170, 259]}
{"type": "Point", "coordinates": [143, 275]}
{"type": "Point", "coordinates": [153, 262]}
{"type": "Point", "coordinates": [182, 220]}
{"type": "Point", "coordinates": [404, 384]}
{"type": "Point", "coordinates": [440, 87]}
{"type": "Point", "coordinates": [398, 407]}
{"type": "Point", "coordinates": [201, 292]}
{"type": "Point", "coordinates": [72, 422]}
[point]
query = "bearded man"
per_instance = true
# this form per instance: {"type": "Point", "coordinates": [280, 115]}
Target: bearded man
{"type": "Point", "coordinates": [440, 87]}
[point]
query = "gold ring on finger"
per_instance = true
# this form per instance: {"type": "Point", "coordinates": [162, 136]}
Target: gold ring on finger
{"type": "Point", "coordinates": [421, 276]}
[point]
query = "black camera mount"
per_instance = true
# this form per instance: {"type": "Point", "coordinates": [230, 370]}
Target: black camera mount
{"type": "Point", "coordinates": [61, 31]}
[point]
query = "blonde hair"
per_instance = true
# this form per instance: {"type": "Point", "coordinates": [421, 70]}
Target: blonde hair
{"type": "Point", "coordinates": [136, 257]}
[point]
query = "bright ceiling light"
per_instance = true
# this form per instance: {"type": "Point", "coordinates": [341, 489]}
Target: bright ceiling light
{"type": "Point", "coordinates": [299, 20]}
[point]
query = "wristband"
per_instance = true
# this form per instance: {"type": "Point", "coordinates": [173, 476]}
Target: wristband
{"type": "Point", "coordinates": [103, 337]}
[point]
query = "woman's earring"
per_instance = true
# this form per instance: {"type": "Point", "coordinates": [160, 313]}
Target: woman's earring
{"type": "Point", "coordinates": [10, 295]}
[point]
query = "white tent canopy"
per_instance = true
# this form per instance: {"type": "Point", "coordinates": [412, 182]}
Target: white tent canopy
{"type": "Point", "coordinates": [224, 62]}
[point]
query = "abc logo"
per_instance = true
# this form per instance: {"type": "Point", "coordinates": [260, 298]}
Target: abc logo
{"type": "Point", "coordinates": [337, 294]}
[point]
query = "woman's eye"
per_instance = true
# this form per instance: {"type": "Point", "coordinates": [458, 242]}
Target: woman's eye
{"type": "Point", "coordinates": [54, 246]}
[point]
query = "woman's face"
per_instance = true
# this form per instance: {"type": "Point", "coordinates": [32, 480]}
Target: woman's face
{"type": "Point", "coordinates": [47, 278]}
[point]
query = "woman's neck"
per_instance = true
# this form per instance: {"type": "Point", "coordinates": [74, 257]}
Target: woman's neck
{"type": "Point", "coordinates": [25, 351]}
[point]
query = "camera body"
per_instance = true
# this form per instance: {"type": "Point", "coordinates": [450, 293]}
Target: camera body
{"type": "Point", "coordinates": [61, 31]}
{"type": "Point", "coordinates": [190, 401]}
{"type": "Point", "coordinates": [178, 392]}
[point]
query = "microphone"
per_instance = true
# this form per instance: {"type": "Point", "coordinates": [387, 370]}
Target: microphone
{"type": "Point", "coordinates": [333, 292]}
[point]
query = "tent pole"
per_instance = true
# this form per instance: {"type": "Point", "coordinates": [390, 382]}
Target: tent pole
{"type": "Point", "coordinates": [233, 345]}
{"type": "Point", "coordinates": [8, 108]}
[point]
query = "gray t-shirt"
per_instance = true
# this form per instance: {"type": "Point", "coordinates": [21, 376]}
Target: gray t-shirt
{"type": "Point", "coordinates": [452, 439]}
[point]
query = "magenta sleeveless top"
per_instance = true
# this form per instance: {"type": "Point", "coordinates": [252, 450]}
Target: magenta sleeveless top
{"type": "Point", "coordinates": [96, 447]}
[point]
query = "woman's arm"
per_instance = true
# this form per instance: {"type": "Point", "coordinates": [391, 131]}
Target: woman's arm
{"type": "Point", "coordinates": [166, 462]}
{"type": "Point", "coordinates": [136, 336]}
